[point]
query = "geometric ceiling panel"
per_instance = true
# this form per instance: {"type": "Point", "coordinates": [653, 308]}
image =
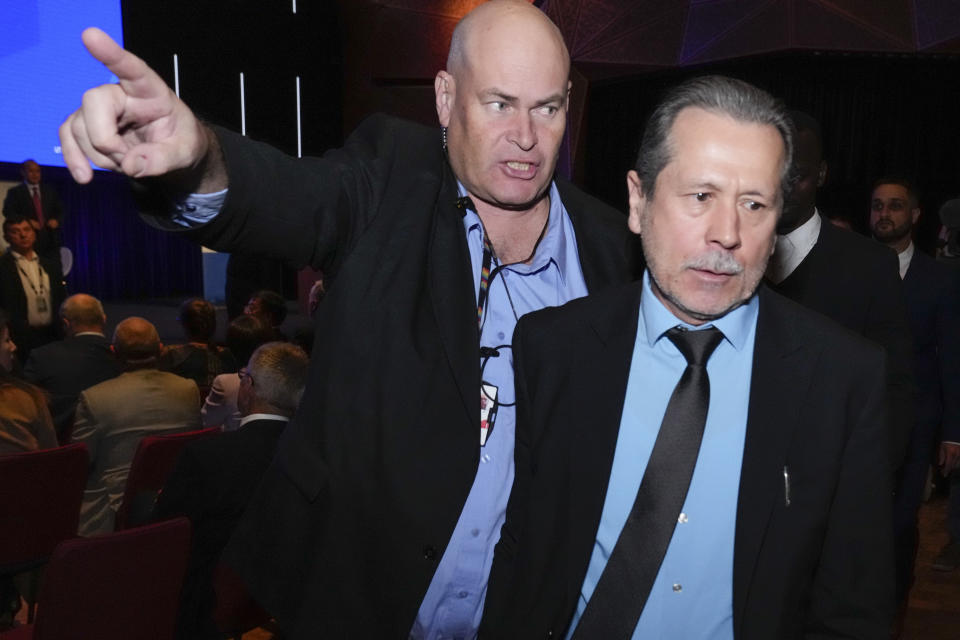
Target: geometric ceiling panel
{"type": "Point", "coordinates": [822, 25]}
{"type": "Point", "coordinates": [938, 21]}
{"type": "Point", "coordinates": [729, 28]}
{"type": "Point", "coordinates": [641, 36]}
{"type": "Point", "coordinates": [893, 18]}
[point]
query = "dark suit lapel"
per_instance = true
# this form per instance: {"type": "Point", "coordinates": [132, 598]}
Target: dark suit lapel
{"type": "Point", "coordinates": [602, 369]}
{"type": "Point", "coordinates": [452, 295]}
{"type": "Point", "coordinates": [782, 370]}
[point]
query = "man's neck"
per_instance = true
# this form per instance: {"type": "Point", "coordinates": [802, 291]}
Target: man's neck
{"type": "Point", "coordinates": [804, 217]}
{"type": "Point", "coordinates": [514, 234]}
{"type": "Point", "coordinates": [28, 254]}
{"type": "Point", "coordinates": [899, 245]}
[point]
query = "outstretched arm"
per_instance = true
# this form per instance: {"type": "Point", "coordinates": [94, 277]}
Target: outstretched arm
{"type": "Point", "coordinates": [139, 127]}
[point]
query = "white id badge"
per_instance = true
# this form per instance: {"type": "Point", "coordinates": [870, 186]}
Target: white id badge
{"type": "Point", "coordinates": [488, 411]}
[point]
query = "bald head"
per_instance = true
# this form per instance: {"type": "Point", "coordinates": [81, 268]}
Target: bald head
{"type": "Point", "coordinates": [503, 103]}
{"type": "Point", "coordinates": [136, 342]}
{"type": "Point", "coordinates": [81, 313]}
{"type": "Point", "coordinates": [513, 20]}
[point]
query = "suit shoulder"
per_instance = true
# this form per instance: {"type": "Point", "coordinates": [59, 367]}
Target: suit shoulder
{"type": "Point", "coordinates": [811, 327]}
{"type": "Point", "coordinates": [859, 248]}
{"type": "Point", "coordinates": [610, 305]}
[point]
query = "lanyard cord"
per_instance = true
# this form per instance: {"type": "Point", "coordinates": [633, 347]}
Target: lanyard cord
{"type": "Point", "coordinates": [487, 276]}
{"type": "Point", "coordinates": [40, 275]}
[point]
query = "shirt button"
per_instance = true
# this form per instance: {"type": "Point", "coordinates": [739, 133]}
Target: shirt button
{"type": "Point", "coordinates": [485, 458]}
{"type": "Point", "coordinates": [677, 587]}
{"type": "Point", "coordinates": [475, 532]}
{"type": "Point", "coordinates": [682, 519]}
{"type": "Point", "coordinates": [429, 553]}
{"type": "Point", "coordinates": [462, 594]}
{"type": "Point", "coordinates": [500, 335]}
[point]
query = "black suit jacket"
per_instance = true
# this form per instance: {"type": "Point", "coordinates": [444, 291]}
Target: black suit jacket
{"type": "Point", "coordinates": [67, 367]}
{"type": "Point", "coordinates": [819, 567]}
{"type": "Point", "coordinates": [211, 484]}
{"type": "Point", "coordinates": [932, 292]}
{"type": "Point", "coordinates": [13, 300]}
{"type": "Point", "coordinates": [352, 519]}
{"type": "Point", "coordinates": [855, 281]}
{"type": "Point", "coordinates": [19, 204]}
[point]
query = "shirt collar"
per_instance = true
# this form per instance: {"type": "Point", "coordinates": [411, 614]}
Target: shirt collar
{"type": "Point", "coordinates": [262, 416]}
{"type": "Point", "coordinates": [905, 257]}
{"type": "Point", "coordinates": [656, 319]}
{"type": "Point", "coordinates": [89, 333]}
{"type": "Point", "coordinates": [793, 247]}
{"type": "Point", "coordinates": [553, 245]}
{"type": "Point", "coordinates": [20, 257]}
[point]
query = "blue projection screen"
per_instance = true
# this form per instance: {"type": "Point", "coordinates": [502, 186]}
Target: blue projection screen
{"type": "Point", "coordinates": [45, 69]}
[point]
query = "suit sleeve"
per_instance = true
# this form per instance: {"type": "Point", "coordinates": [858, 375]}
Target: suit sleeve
{"type": "Point", "coordinates": [303, 211]}
{"type": "Point", "coordinates": [500, 586]}
{"type": "Point", "coordinates": [948, 344]}
{"type": "Point", "coordinates": [85, 427]}
{"type": "Point", "coordinates": [852, 594]}
{"type": "Point", "coordinates": [887, 326]}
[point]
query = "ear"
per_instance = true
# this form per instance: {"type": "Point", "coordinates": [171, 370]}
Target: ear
{"type": "Point", "coordinates": [638, 201]}
{"type": "Point", "coordinates": [444, 89]}
{"type": "Point", "coordinates": [566, 100]}
{"type": "Point", "coordinates": [915, 215]}
{"type": "Point", "coordinates": [822, 174]}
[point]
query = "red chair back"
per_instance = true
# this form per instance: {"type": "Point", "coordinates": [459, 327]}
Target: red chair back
{"type": "Point", "coordinates": [152, 463]}
{"type": "Point", "coordinates": [41, 505]}
{"type": "Point", "coordinates": [115, 586]}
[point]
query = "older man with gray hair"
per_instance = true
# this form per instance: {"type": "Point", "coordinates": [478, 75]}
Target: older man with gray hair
{"type": "Point", "coordinates": [215, 478]}
{"type": "Point", "coordinates": [697, 457]}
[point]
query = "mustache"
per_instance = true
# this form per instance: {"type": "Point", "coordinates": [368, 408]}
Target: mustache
{"type": "Point", "coordinates": [717, 262]}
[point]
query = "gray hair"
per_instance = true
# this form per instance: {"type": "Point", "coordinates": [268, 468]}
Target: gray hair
{"type": "Point", "coordinates": [279, 372]}
{"type": "Point", "coordinates": [717, 94]}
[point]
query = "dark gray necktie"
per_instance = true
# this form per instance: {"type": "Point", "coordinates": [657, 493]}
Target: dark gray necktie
{"type": "Point", "coordinates": [621, 593]}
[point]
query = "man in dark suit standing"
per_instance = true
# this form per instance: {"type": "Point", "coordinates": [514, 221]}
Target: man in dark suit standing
{"type": "Point", "coordinates": [933, 306]}
{"type": "Point", "coordinates": [81, 360]}
{"type": "Point", "coordinates": [844, 276]}
{"type": "Point", "coordinates": [379, 516]}
{"type": "Point", "coordinates": [31, 288]}
{"type": "Point", "coordinates": [749, 501]}
{"type": "Point", "coordinates": [39, 203]}
{"type": "Point", "coordinates": [215, 478]}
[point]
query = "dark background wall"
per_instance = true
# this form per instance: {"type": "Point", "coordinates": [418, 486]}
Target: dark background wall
{"type": "Point", "coordinates": [880, 76]}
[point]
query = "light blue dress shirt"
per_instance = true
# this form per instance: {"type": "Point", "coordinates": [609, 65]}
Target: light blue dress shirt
{"type": "Point", "coordinates": [692, 597]}
{"type": "Point", "coordinates": [454, 602]}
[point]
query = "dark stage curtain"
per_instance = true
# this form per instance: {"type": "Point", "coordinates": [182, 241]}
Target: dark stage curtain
{"type": "Point", "coordinates": [116, 255]}
{"type": "Point", "coordinates": [881, 115]}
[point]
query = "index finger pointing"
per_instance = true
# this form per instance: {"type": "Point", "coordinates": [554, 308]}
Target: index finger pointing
{"type": "Point", "coordinates": [136, 78]}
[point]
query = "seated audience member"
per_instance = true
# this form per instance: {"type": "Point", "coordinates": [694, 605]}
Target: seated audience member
{"type": "Point", "coordinates": [198, 359]}
{"type": "Point", "coordinates": [244, 335]}
{"type": "Point", "coordinates": [271, 308]}
{"type": "Point", "coordinates": [31, 288]}
{"type": "Point", "coordinates": [25, 423]}
{"type": "Point", "coordinates": [215, 478]}
{"type": "Point", "coordinates": [67, 367]}
{"type": "Point", "coordinates": [114, 415]}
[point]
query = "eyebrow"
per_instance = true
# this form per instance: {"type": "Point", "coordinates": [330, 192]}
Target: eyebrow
{"type": "Point", "coordinates": [506, 97]}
